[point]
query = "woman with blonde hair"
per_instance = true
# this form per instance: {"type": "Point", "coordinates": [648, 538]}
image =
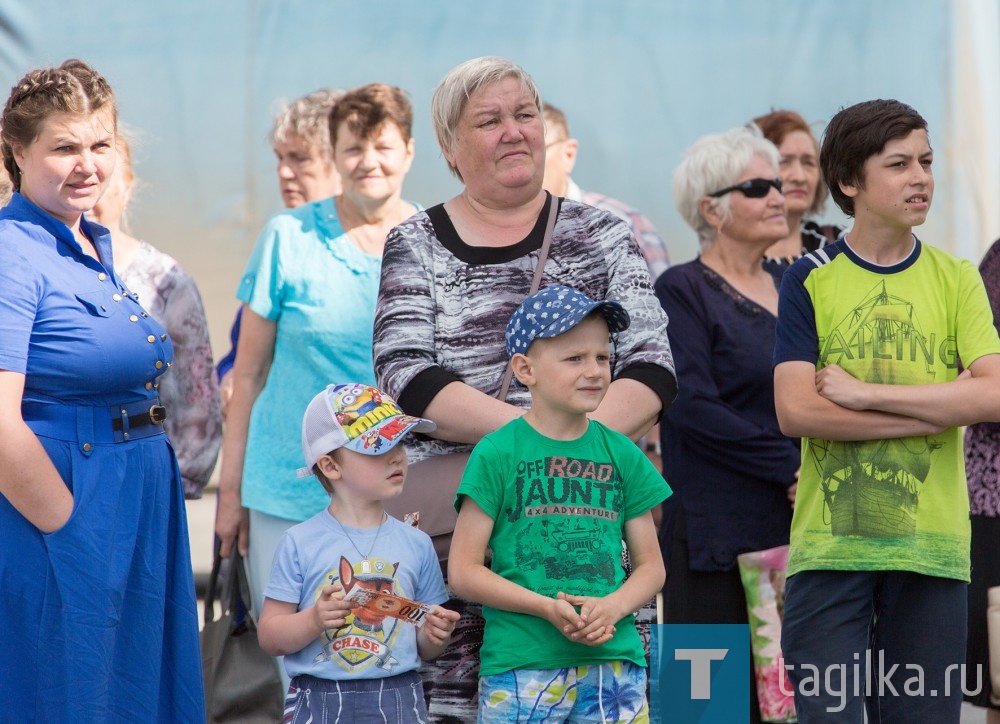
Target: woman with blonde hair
{"type": "Point", "coordinates": [99, 615]}
{"type": "Point", "coordinates": [455, 273]}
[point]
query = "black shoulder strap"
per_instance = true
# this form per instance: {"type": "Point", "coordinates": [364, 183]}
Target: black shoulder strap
{"type": "Point", "coordinates": [543, 255]}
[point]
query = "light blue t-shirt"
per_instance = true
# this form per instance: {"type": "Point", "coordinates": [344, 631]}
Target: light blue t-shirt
{"type": "Point", "coordinates": [371, 646]}
{"type": "Point", "coordinates": [307, 276]}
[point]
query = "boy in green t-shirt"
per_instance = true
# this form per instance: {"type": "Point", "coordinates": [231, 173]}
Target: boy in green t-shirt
{"type": "Point", "coordinates": [872, 332]}
{"type": "Point", "coordinates": [553, 494]}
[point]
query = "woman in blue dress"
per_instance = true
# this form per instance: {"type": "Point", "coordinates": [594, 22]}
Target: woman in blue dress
{"type": "Point", "coordinates": [98, 609]}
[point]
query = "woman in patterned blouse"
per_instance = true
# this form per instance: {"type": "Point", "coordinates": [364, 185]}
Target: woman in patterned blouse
{"type": "Point", "coordinates": [982, 468]}
{"type": "Point", "coordinates": [453, 274]}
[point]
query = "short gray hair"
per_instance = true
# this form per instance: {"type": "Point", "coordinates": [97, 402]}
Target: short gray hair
{"type": "Point", "coordinates": [714, 162]}
{"type": "Point", "coordinates": [308, 118]}
{"type": "Point", "coordinates": [453, 93]}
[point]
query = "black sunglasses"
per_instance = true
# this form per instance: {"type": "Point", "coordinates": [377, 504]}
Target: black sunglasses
{"type": "Point", "coordinates": [755, 188]}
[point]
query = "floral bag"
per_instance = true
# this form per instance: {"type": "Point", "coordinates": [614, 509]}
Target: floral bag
{"type": "Point", "coordinates": [763, 575]}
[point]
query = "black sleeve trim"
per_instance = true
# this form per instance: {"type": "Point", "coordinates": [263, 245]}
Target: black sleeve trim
{"type": "Point", "coordinates": [658, 379]}
{"type": "Point", "coordinates": [423, 388]}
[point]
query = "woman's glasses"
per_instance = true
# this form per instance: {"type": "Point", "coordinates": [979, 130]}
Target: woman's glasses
{"type": "Point", "coordinates": [755, 188]}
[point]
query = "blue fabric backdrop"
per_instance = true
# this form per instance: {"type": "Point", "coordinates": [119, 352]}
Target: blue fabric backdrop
{"type": "Point", "coordinates": [639, 81]}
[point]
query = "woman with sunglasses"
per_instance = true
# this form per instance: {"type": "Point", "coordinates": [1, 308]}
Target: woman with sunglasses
{"type": "Point", "coordinates": [731, 468]}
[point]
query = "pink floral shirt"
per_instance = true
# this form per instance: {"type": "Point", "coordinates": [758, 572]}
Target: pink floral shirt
{"type": "Point", "coordinates": [651, 244]}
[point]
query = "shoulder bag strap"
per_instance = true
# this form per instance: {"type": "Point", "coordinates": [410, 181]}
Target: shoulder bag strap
{"type": "Point", "coordinates": [212, 592]}
{"type": "Point", "coordinates": [543, 254]}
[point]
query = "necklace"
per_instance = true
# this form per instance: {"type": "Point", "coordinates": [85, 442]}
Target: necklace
{"type": "Point", "coordinates": [364, 556]}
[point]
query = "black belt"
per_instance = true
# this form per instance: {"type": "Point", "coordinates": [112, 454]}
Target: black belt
{"type": "Point", "coordinates": [132, 423]}
{"type": "Point", "coordinates": [154, 416]}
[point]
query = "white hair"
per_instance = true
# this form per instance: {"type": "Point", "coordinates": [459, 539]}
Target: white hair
{"type": "Point", "coordinates": [308, 118]}
{"type": "Point", "coordinates": [714, 162]}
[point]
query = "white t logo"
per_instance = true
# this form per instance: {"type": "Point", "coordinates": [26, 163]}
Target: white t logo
{"type": "Point", "coordinates": [701, 668]}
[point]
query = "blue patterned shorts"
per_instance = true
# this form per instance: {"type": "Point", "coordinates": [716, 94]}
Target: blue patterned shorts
{"type": "Point", "coordinates": [611, 692]}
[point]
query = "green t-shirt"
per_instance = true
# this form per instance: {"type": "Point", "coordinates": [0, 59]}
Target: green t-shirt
{"type": "Point", "coordinates": [895, 504]}
{"type": "Point", "coordinates": [559, 510]}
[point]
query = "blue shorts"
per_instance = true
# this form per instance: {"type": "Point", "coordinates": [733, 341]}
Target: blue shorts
{"type": "Point", "coordinates": [397, 698]}
{"type": "Point", "coordinates": [610, 692]}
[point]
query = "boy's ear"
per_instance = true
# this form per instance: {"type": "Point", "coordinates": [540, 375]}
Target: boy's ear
{"type": "Point", "coordinates": [523, 369]}
{"type": "Point", "coordinates": [329, 467]}
{"type": "Point", "coordinates": [849, 190]}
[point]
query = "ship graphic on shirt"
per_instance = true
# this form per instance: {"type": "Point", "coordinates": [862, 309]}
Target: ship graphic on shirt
{"type": "Point", "coordinates": [872, 488]}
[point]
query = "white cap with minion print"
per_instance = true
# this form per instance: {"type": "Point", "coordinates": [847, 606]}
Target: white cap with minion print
{"type": "Point", "coordinates": [357, 417]}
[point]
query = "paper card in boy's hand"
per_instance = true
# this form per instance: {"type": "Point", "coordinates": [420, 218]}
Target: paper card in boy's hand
{"type": "Point", "coordinates": [389, 604]}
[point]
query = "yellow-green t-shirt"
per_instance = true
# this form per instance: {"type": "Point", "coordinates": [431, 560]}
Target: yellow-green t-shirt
{"type": "Point", "coordinates": [894, 504]}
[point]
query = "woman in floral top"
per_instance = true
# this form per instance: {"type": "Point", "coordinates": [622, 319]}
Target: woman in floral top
{"type": "Point", "coordinates": [169, 294]}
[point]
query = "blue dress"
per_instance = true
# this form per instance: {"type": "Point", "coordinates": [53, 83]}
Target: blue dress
{"type": "Point", "coordinates": [99, 619]}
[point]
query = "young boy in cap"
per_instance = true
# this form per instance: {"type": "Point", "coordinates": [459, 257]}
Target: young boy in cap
{"type": "Point", "coordinates": [553, 494]}
{"type": "Point", "coordinates": [871, 334]}
{"type": "Point", "coordinates": [342, 656]}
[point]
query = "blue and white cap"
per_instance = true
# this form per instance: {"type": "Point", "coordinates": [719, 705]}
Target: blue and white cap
{"type": "Point", "coordinates": [555, 310]}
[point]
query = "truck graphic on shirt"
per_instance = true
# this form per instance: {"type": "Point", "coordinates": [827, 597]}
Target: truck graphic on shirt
{"type": "Point", "coordinates": [579, 541]}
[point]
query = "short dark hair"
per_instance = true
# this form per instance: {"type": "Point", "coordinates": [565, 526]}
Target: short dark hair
{"type": "Point", "coordinates": [856, 134]}
{"type": "Point", "coordinates": [367, 108]}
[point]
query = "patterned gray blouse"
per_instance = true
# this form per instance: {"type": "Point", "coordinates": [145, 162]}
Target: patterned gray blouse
{"type": "Point", "coordinates": [443, 306]}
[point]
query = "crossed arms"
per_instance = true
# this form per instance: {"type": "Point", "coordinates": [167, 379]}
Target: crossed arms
{"type": "Point", "coordinates": [833, 405]}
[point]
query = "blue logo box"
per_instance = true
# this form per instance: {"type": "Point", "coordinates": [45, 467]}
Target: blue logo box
{"type": "Point", "coordinates": [700, 673]}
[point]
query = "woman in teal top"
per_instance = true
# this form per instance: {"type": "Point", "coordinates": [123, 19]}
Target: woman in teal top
{"type": "Point", "coordinates": [309, 294]}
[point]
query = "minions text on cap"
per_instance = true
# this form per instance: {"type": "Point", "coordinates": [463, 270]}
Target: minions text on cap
{"type": "Point", "coordinates": [357, 417]}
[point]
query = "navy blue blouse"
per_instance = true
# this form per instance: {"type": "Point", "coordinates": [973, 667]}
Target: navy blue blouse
{"type": "Point", "coordinates": [723, 452]}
